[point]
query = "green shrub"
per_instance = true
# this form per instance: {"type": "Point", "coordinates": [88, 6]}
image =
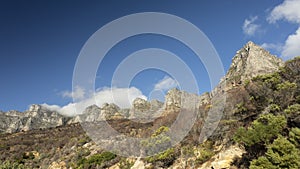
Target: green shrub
{"type": "Point", "coordinates": [269, 80]}
{"type": "Point", "coordinates": [11, 165]}
{"type": "Point", "coordinates": [205, 152]}
{"type": "Point", "coordinates": [187, 151]}
{"type": "Point", "coordinates": [295, 108]}
{"type": "Point", "coordinates": [294, 136]}
{"type": "Point", "coordinates": [298, 99]}
{"type": "Point", "coordinates": [158, 141]}
{"type": "Point", "coordinates": [125, 164]}
{"type": "Point", "coordinates": [160, 130]}
{"type": "Point", "coordinates": [204, 156]}
{"type": "Point", "coordinates": [280, 154]}
{"type": "Point", "coordinates": [274, 108]}
{"type": "Point", "coordinates": [262, 130]}
{"type": "Point", "coordinates": [286, 86]}
{"type": "Point", "coordinates": [240, 109]}
{"type": "Point", "coordinates": [165, 157]}
{"type": "Point", "coordinates": [96, 159]}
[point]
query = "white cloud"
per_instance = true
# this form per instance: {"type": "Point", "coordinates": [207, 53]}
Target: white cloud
{"type": "Point", "coordinates": [78, 93]}
{"type": "Point", "coordinates": [292, 45]}
{"type": "Point", "coordinates": [249, 27]}
{"type": "Point", "coordinates": [272, 46]}
{"type": "Point", "coordinates": [288, 10]}
{"type": "Point", "coordinates": [165, 84]}
{"type": "Point", "coordinates": [122, 97]}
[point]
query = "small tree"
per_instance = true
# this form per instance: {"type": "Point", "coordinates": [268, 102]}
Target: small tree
{"type": "Point", "coordinates": [280, 154]}
{"type": "Point", "coordinates": [294, 136]}
{"type": "Point", "coordinates": [262, 130]}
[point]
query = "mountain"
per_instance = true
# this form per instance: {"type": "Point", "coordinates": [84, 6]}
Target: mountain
{"type": "Point", "coordinates": [251, 61]}
{"type": "Point", "coordinates": [240, 124]}
{"type": "Point", "coordinates": [36, 117]}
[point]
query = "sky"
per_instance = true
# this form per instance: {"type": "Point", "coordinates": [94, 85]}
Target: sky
{"type": "Point", "coordinates": [40, 42]}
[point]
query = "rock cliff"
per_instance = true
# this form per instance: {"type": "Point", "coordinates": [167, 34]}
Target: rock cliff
{"type": "Point", "coordinates": [250, 61]}
{"type": "Point", "coordinates": [35, 117]}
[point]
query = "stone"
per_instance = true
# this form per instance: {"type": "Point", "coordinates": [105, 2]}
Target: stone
{"type": "Point", "coordinates": [250, 61]}
{"type": "Point", "coordinates": [145, 111]}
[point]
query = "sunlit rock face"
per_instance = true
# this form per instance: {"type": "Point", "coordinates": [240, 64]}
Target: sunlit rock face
{"type": "Point", "coordinates": [250, 61]}
{"type": "Point", "coordinates": [145, 111]}
{"type": "Point", "coordinates": [35, 117]}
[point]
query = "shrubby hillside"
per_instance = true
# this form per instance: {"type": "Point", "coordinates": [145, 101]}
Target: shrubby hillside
{"type": "Point", "coordinates": [259, 127]}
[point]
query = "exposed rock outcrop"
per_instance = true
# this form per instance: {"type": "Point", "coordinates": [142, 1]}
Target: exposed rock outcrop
{"type": "Point", "coordinates": [35, 117]}
{"type": "Point", "coordinates": [144, 111]}
{"type": "Point", "coordinates": [250, 61]}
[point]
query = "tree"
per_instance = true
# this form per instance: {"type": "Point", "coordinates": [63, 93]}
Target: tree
{"type": "Point", "coordinates": [262, 130]}
{"type": "Point", "coordinates": [294, 136]}
{"type": "Point", "coordinates": [280, 154]}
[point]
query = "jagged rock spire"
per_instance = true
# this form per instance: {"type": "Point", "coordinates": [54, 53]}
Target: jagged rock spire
{"type": "Point", "coordinates": [250, 61]}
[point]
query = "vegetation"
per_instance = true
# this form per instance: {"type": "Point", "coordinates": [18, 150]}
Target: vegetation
{"type": "Point", "coordinates": [11, 165]}
{"type": "Point", "coordinates": [125, 164]}
{"type": "Point", "coordinates": [165, 157]}
{"type": "Point", "coordinates": [158, 141]}
{"type": "Point", "coordinates": [95, 160]}
{"type": "Point", "coordinates": [201, 153]}
{"type": "Point", "coordinates": [262, 130]}
{"type": "Point", "coordinates": [280, 154]}
{"type": "Point", "coordinates": [263, 116]}
{"type": "Point", "coordinates": [272, 139]}
{"type": "Point", "coordinates": [205, 152]}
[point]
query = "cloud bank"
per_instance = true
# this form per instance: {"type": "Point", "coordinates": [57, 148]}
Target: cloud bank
{"type": "Point", "coordinates": [123, 97]}
{"type": "Point", "coordinates": [288, 11]}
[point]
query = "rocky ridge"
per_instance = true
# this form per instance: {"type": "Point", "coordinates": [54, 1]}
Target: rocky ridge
{"type": "Point", "coordinates": [250, 61]}
{"type": "Point", "coordinates": [36, 117]}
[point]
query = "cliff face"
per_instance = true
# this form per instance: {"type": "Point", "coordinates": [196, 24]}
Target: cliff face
{"type": "Point", "coordinates": [250, 61]}
{"type": "Point", "coordinates": [35, 117]}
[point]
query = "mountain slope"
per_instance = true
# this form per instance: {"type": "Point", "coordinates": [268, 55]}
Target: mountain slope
{"type": "Point", "coordinates": [266, 92]}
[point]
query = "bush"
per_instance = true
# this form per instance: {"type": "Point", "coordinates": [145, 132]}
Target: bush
{"type": "Point", "coordinates": [280, 154]}
{"type": "Point", "coordinates": [158, 141]}
{"type": "Point", "coordinates": [274, 108]}
{"type": "Point", "coordinates": [294, 136]}
{"type": "Point", "coordinates": [205, 152]}
{"type": "Point", "coordinates": [125, 164]}
{"type": "Point", "coordinates": [167, 157]}
{"type": "Point", "coordinates": [298, 99]}
{"type": "Point", "coordinates": [96, 159]}
{"type": "Point", "coordinates": [293, 109]}
{"type": "Point", "coordinates": [11, 165]}
{"type": "Point", "coordinates": [160, 130]}
{"type": "Point", "coordinates": [240, 109]}
{"type": "Point", "coordinates": [262, 130]}
{"type": "Point", "coordinates": [269, 80]}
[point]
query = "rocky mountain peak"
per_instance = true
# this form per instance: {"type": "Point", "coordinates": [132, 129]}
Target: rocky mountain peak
{"type": "Point", "coordinates": [141, 104]}
{"type": "Point", "coordinates": [173, 99]}
{"type": "Point", "coordinates": [35, 108]}
{"type": "Point", "coordinates": [251, 60]}
{"type": "Point", "coordinates": [35, 117]}
{"type": "Point", "coordinates": [143, 111]}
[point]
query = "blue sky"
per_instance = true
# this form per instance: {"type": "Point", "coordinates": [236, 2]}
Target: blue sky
{"type": "Point", "coordinates": [41, 40]}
